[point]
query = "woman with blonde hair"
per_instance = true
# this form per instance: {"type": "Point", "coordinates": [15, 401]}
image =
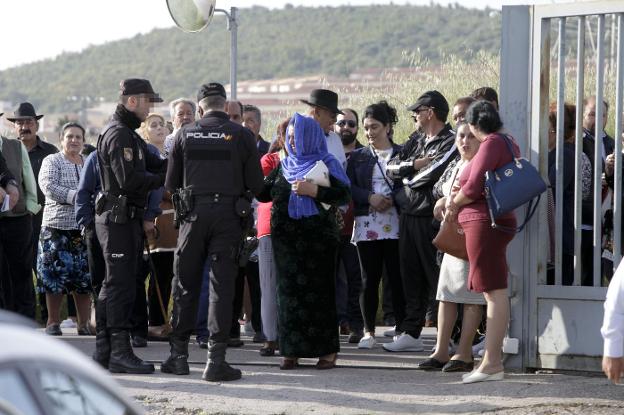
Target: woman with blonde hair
{"type": "Point", "coordinates": [162, 242]}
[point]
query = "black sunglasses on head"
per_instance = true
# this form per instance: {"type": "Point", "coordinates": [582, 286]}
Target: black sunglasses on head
{"type": "Point", "coordinates": [350, 123]}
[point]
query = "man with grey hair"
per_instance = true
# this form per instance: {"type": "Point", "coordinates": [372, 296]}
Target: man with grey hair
{"type": "Point", "coordinates": [182, 112]}
{"type": "Point", "coordinates": [214, 164]}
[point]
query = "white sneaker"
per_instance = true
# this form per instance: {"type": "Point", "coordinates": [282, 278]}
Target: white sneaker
{"type": "Point", "coordinates": [391, 332]}
{"type": "Point", "coordinates": [479, 346]}
{"type": "Point", "coordinates": [405, 343]}
{"type": "Point", "coordinates": [367, 342]}
{"type": "Point", "coordinates": [68, 324]}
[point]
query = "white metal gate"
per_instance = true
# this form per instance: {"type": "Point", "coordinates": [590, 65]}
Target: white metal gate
{"type": "Point", "coordinates": [559, 326]}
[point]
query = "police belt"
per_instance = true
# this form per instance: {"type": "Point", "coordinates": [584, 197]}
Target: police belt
{"type": "Point", "coordinates": [212, 198]}
{"type": "Point", "coordinates": [133, 211]}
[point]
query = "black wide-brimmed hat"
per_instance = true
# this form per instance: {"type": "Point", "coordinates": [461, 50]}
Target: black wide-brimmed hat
{"type": "Point", "coordinates": [324, 98]}
{"type": "Point", "coordinates": [24, 111]}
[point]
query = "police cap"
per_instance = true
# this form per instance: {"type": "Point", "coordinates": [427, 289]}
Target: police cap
{"type": "Point", "coordinates": [137, 86]}
{"type": "Point", "coordinates": [211, 89]}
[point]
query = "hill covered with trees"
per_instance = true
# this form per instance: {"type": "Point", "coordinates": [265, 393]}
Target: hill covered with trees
{"type": "Point", "coordinates": [293, 41]}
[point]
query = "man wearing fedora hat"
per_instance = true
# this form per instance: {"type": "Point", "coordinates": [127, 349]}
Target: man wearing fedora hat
{"type": "Point", "coordinates": [26, 125]}
{"type": "Point", "coordinates": [324, 109]}
{"type": "Point", "coordinates": [16, 235]}
{"type": "Point", "coordinates": [129, 171]}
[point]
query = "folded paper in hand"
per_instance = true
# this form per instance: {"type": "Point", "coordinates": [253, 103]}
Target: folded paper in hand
{"type": "Point", "coordinates": [319, 175]}
{"type": "Point", "coordinates": [5, 204]}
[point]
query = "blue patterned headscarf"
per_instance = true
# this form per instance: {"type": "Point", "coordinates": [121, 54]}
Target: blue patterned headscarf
{"type": "Point", "coordinates": [310, 147]}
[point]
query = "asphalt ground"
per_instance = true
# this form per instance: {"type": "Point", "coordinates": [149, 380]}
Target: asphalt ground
{"type": "Point", "coordinates": [364, 382]}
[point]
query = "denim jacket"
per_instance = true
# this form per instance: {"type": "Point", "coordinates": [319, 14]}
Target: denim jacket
{"type": "Point", "coordinates": [360, 168]}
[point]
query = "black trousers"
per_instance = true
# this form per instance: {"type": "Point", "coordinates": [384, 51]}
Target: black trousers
{"type": "Point", "coordinates": [252, 273]}
{"type": "Point", "coordinates": [16, 248]}
{"type": "Point", "coordinates": [373, 256]}
{"type": "Point", "coordinates": [386, 304]}
{"type": "Point", "coordinates": [349, 264]}
{"type": "Point", "coordinates": [163, 274]}
{"type": "Point", "coordinates": [419, 269]}
{"type": "Point", "coordinates": [216, 233]}
{"type": "Point", "coordinates": [124, 284]}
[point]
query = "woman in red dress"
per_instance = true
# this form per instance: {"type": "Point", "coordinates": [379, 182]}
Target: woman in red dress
{"type": "Point", "coordinates": [486, 246]}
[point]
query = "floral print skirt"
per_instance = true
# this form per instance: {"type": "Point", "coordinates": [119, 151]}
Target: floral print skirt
{"type": "Point", "coordinates": [62, 264]}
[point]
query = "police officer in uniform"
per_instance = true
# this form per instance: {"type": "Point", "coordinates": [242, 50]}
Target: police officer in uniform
{"type": "Point", "coordinates": [128, 171]}
{"type": "Point", "coordinates": [215, 164]}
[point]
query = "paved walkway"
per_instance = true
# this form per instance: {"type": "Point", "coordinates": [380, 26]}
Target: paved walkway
{"type": "Point", "coordinates": [366, 382]}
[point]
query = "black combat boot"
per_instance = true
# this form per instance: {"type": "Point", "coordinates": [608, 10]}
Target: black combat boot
{"type": "Point", "coordinates": [122, 358]}
{"type": "Point", "coordinates": [177, 362]}
{"type": "Point", "coordinates": [217, 369]}
{"type": "Point", "coordinates": [102, 348]}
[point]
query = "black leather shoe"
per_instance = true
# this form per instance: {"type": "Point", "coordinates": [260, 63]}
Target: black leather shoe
{"type": "Point", "coordinates": [430, 364]}
{"type": "Point", "coordinates": [220, 372]}
{"type": "Point", "coordinates": [176, 365]}
{"type": "Point", "coordinates": [458, 366]}
{"type": "Point", "coordinates": [268, 349]}
{"type": "Point", "coordinates": [177, 362]}
{"type": "Point", "coordinates": [235, 342]}
{"type": "Point", "coordinates": [123, 359]}
{"type": "Point", "coordinates": [355, 337]}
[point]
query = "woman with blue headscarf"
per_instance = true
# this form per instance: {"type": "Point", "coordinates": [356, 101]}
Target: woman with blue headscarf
{"type": "Point", "coordinates": [305, 241]}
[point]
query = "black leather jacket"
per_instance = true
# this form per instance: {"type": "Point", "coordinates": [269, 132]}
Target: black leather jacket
{"type": "Point", "coordinates": [419, 184]}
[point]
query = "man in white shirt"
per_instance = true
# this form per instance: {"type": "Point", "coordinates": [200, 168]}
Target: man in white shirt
{"type": "Point", "coordinates": [613, 328]}
{"type": "Point", "coordinates": [324, 109]}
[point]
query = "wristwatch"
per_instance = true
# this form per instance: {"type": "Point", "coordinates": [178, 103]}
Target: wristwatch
{"type": "Point", "coordinates": [12, 182]}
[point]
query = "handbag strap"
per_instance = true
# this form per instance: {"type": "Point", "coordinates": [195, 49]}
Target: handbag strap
{"type": "Point", "coordinates": [533, 204]}
{"type": "Point", "coordinates": [513, 155]}
{"type": "Point", "coordinates": [383, 174]}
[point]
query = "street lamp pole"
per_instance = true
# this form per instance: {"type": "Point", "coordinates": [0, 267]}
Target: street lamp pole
{"type": "Point", "coordinates": [232, 26]}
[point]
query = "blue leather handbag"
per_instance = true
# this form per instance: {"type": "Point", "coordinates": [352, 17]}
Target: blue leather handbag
{"type": "Point", "coordinates": [511, 186]}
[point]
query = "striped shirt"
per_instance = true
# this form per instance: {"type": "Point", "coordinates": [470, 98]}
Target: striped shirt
{"type": "Point", "coordinates": [58, 180]}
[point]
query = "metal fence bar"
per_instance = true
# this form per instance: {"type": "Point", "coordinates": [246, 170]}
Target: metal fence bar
{"type": "Point", "coordinates": [598, 156]}
{"type": "Point", "coordinates": [619, 102]}
{"type": "Point", "coordinates": [559, 152]}
{"type": "Point", "coordinates": [578, 187]}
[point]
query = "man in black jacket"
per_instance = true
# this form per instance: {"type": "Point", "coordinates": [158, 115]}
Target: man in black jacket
{"type": "Point", "coordinates": [128, 171]}
{"type": "Point", "coordinates": [421, 162]}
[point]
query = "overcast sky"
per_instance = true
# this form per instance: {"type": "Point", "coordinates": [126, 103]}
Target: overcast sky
{"type": "Point", "coordinates": [32, 30]}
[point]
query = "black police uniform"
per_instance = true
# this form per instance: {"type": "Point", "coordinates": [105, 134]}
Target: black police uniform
{"type": "Point", "coordinates": [218, 160]}
{"type": "Point", "coordinates": [127, 169]}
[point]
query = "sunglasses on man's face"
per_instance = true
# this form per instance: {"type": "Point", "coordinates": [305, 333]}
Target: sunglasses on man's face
{"type": "Point", "coordinates": [349, 123]}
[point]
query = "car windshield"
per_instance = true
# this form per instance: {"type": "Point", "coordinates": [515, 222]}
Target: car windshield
{"type": "Point", "coordinates": [71, 395]}
{"type": "Point", "coordinates": [14, 394]}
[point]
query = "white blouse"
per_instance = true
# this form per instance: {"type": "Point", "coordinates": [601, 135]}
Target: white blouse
{"type": "Point", "coordinates": [378, 225]}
